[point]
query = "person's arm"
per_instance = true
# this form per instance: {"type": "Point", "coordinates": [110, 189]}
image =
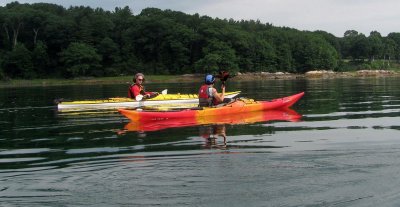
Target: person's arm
{"type": "Point", "coordinates": [219, 96]}
{"type": "Point", "coordinates": [151, 94]}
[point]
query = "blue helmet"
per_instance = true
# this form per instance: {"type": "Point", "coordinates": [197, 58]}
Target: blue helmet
{"type": "Point", "coordinates": [209, 79]}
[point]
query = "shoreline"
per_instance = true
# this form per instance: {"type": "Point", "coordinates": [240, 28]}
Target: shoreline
{"type": "Point", "coordinates": [316, 74]}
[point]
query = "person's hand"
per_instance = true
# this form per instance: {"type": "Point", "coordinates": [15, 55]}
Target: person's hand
{"type": "Point", "coordinates": [153, 94]}
{"type": "Point", "coordinates": [223, 87]}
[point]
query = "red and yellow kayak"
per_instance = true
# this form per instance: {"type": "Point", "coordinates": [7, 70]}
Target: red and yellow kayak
{"type": "Point", "coordinates": [235, 119]}
{"type": "Point", "coordinates": [192, 115]}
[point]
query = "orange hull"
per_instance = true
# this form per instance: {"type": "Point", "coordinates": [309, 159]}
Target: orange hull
{"type": "Point", "coordinates": [192, 115]}
{"type": "Point", "coordinates": [240, 118]}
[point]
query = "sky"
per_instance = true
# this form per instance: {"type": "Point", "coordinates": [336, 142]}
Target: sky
{"type": "Point", "coordinates": [333, 16]}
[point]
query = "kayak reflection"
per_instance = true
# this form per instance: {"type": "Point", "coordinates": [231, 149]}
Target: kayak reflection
{"type": "Point", "coordinates": [241, 118]}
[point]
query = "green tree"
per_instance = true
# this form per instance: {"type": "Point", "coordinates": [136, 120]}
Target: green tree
{"type": "Point", "coordinates": [109, 51]}
{"type": "Point", "coordinates": [219, 56]}
{"type": "Point", "coordinates": [161, 42]}
{"type": "Point", "coordinates": [148, 38]}
{"type": "Point", "coordinates": [57, 35]}
{"type": "Point", "coordinates": [376, 45]}
{"type": "Point", "coordinates": [13, 22]}
{"type": "Point", "coordinates": [34, 22]}
{"type": "Point", "coordinates": [5, 42]}
{"type": "Point", "coordinates": [175, 54]}
{"type": "Point", "coordinates": [40, 59]}
{"type": "Point", "coordinates": [2, 75]}
{"type": "Point", "coordinates": [80, 59]}
{"type": "Point", "coordinates": [92, 26]}
{"type": "Point", "coordinates": [355, 45]}
{"type": "Point", "coordinates": [313, 52]}
{"type": "Point", "coordinates": [389, 50]}
{"type": "Point", "coordinates": [284, 46]}
{"type": "Point", "coordinates": [321, 54]}
{"type": "Point", "coordinates": [395, 36]}
{"type": "Point", "coordinates": [18, 63]}
{"type": "Point", "coordinates": [285, 59]}
{"type": "Point", "coordinates": [208, 64]}
{"type": "Point", "coordinates": [263, 55]}
{"type": "Point", "coordinates": [122, 20]}
{"type": "Point", "coordinates": [170, 42]}
{"type": "Point", "coordinates": [331, 39]}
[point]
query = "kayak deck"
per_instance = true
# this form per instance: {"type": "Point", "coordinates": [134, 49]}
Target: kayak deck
{"type": "Point", "coordinates": [115, 103]}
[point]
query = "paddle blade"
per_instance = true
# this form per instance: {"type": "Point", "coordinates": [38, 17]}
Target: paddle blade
{"type": "Point", "coordinates": [164, 92]}
{"type": "Point", "coordinates": [139, 97]}
{"type": "Point", "coordinates": [223, 75]}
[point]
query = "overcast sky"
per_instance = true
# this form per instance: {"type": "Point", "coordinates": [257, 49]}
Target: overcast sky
{"type": "Point", "coordinates": [333, 16]}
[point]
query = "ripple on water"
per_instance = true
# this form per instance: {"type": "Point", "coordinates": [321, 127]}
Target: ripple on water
{"type": "Point", "coordinates": [24, 151]}
{"type": "Point", "coordinates": [18, 160]}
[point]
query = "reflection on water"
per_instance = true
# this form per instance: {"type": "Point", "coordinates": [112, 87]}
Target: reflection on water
{"type": "Point", "coordinates": [342, 152]}
{"type": "Point", "coordinates": [211, 135]}
{"type": "Point", "coordinates": [239, 118]}
{"type": "Point", "coordinates": [211, 127]}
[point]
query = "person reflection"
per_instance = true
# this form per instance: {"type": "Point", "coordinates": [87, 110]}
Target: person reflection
{"type": "Point", "coordinates": [211, 133]}
{"type": "Point", "coordinates": [140, 133]}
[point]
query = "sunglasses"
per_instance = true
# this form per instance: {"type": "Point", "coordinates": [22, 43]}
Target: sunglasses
{"type": "Point", "coordinates": [140, 79]}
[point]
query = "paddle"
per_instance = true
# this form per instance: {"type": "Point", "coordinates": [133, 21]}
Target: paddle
{"type": "Point", "coordinates": [223, 76]}
{"type": "Point", "coordinates": [140, 97]}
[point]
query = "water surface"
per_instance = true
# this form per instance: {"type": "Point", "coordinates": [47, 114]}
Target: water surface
{"type": "Point", "coordinates": [343, 151]}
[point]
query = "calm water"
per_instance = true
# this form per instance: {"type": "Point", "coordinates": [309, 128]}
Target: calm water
{"type": "Point", "coordinates": [344, 151]}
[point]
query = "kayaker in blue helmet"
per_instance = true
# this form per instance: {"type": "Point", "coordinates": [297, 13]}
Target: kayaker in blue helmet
{"type": "Point", "coordinates": [208, 95]}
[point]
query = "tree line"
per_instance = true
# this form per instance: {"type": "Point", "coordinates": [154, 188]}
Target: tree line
{"type": "Point", "coordinates": [44, 40]}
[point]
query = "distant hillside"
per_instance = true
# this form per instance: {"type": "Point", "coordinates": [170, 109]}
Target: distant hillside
{"type": "Point", "coordinates": [48, 40]}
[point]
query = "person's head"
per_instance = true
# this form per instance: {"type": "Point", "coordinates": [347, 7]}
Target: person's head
{"type": "Point", "coordinates": [209, 79]}
{"type": "Point", "coordinates": [139, 78]}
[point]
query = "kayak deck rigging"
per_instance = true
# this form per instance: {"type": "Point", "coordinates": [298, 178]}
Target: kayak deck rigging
{"type": "Point", "coordinates": [115, 103]}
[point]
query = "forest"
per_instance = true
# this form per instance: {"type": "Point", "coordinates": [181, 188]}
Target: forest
{"type": "Point", "coordinates": [44, 40]}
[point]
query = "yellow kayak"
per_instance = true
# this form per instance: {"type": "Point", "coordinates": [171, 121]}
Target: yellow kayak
{"type": "Point", "coordinates": [122, 102]}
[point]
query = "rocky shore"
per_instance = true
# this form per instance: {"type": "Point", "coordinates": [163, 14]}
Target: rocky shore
{"type": "Point", "coordinates": [315, 74]}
